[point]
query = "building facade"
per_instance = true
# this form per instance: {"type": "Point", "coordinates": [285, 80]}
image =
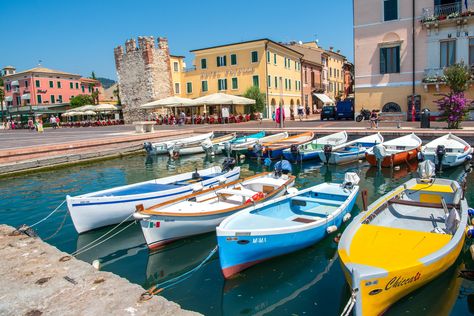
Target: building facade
{"type": "Point", "coordinates": [402, 47]}
{"type": "Point", "coordinates": [233, 68]}
{"type": "Point", "coordinates": [42, 86]}
{"type": "Point", "coordinates": [335, 74]}
{"type": "Point", "coordinates": [144, 74]}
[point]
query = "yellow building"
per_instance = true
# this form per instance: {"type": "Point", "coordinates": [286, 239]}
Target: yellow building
{"type": "Point", "coordinates": [335, 73]}
{"type": "Point", "coordinates": [177, 67]}
{"type": "Point", "coordinates": [233, 68]}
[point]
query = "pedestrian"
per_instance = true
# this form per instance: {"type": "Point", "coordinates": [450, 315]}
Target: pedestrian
{"type": "Point", "coordinates": [13, 124]}
{"type": "Point", "coordinates": [182, 118]}
{"type": "Point", "coordinates": [300, 112]}
{"type": "Point", "coordinates": [260, 117]}
{"type": "Point", "coordinates": [273, 116]}
{"type": "Point", "coordinates": [280, 116]}
{"type": "Point", "coordinates": [307, 111]}
{"type": "Point", "coordinates": [52, 121]}
{"type": "Point", "coordinates": [31, 124]}
{"type": "Point", "coordinates": [57, 121]}
{"type": "Point", "coordinates": [374, 119]}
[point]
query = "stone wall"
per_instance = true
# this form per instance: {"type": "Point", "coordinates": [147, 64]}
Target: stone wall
{"type": "Point", "coordinates": [144, 74]}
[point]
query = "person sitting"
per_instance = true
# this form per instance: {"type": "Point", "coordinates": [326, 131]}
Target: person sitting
{"type": "Point", "coordinates": [374, 123]}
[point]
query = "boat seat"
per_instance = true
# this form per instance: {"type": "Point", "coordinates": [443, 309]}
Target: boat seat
{"type": "Point", "coordinates": [316, 200]}
{"type": "Point", "coordinates": [242, 192]}
{"type": "Point", "coordinates": [417, 203]}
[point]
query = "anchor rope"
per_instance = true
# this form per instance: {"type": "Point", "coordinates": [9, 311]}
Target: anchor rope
{"type": "Point", "coordinates": [49, 215]}
{"type": "Point", "coordinates": [88, 246]}
{"type": "Point", "coordinates": [84, 249]}
{"type": "Point", "coordinates": [58, 229]}
{"type": "Point", "coordinates": [159, 287]}
{"type": "Point", "coordinates": [350, 304]}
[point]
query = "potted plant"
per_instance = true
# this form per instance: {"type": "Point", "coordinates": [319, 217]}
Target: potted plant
{"type": "Point", "coordinates": [441, 17]}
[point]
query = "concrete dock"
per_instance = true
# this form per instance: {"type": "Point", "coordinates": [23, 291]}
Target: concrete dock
{"type": "Point", "coordinates": [34, 281]}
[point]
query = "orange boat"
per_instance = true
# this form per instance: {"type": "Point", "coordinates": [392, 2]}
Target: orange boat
{"type": "Point", "coordinates": [274, 150]}
{"type": "Point", "coordinates": [396, 151]}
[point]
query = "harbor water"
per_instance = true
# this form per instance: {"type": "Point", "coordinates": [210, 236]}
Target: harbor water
{"type": "Point", "coordinates": [307, 282]}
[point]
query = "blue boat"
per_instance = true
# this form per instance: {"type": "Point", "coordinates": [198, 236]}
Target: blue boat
{"type": "Point", "coordinates": [246, 138]}
{"type": "Point", "coordinates": [285, 224]}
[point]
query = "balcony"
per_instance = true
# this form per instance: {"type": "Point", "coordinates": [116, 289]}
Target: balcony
{"type": "Point", "coordinates": [435, 77]}
{"type": "Point", "coordinates": [453, 13]}
{"type": "Point", "coordinates": [189, 69]}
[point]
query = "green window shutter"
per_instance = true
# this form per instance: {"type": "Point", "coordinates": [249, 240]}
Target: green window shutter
{"type": "Point", "coordinates": [59, 84]}
{"type": "Point", "coordinates": [38, 85]}
{"type": "Point", "coordinates": [218, 61]}
{"type": "Point", "coordinates": [225, 84]}
{"type": "Point", "coordinates": [52, 98]}
{"type": "Point", "coordinates": [285, 62]}
{"type": "Point", "coordinates": [382, 60]}
{"type": "Point", "coordinates": [82, 87]}
{"type": "Point", "coordinates": [60, 97]}
{"type": "Point", "coordinates": [275, 59]}
{"type": "Point", "coordinates": [204, 63]}
{"type": "Point", "coordinates": [189, 87]}
{"type": "Point", "coordinates": [225, 61]}
{"type": "Point", "coordinates": [71, 85]}
{"type": "Point", "coordinates": [289, 84]}
{"type": "Point", "coordinates": [276, 82]}
{"type": "Point", "coordinates": [397, 59]}
{"type": "Point", "coordinates": [289, 63]}
{"type": "Point", "coordinates": [268, 56]}
{"type": "Point", "coordinates": [255, 81]}
{"type": "Point", "coordinates": [269, 80]}
{"type": "Point", "coordinates": [233, 59]}
{"type": "Point", "coordinates": [38, 98]}
{"type": "Point", "coordinates": [51, 85]}
{"type": "Point", "coordinates": [235, 84]}
{"type": "Point", "coordinates": [77, 85]}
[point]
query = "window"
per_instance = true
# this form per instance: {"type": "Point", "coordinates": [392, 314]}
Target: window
{"type": "Point", "coordinates": [471, 51]}
{"type": "Point", "coordinates": [221, 61]}
{"type": "Point", "coordinates": [233, 59]}
{"type": "Point", "coordinates": [189, 87]}
{"type": "Point", "coordinates": [269, 81]}
{"type": "Point", "coordinates": [330, 72]}
{"type": "Point", "coordinates": [89, 89]}
{"type": "Point", "coordinates": [176, 88]}
{"type": "Point", "coordinates": [37, 82]}
{"type": "Point", "coordinates": [203, 63]}
{"type": "Point", "coordinates": [305, 76]}
{"type": "Point", "coordinates": [268, 56]}
{"type": "Point", "coordinates": [52, 98]}
{"type": "Point", "coordinates": [447, 53]}
{"type": "Point", "coordinates": [26, 84]}
{"type": "Point", "coordinates": [276, 82]}
{"type": "Point", "coordinates": [38, 98]}
{"type": "Point", "coordinates": [289, 84]}
{"type": "Point", "coordinates": [204, 87]}
{"type": "Point", "coordinates": [60, 98]}
{"type": "Point", "coordinates": [285, 63]}
{"type": "Point", "coordinates": [390, 10]}
{"type": "Point", "coordinates": [222, 84]}
{"type": "Point", "coordinates": [175, 66]}
{"type": "Point", "coordinates": [77, 85]}
{"type": "Point", "coordinates": [59, 84]}
{"type": "Point", "coordinates": [274, 59]}
{"type": "Point", "coordinates": [235, 84]}
{"type": "Point", "coordinates": [389, 60]}
{"type": "Point", "coordinates": [289, 63]}
{"type": "Point", "coordinates": [82, 87]}
{"type": "Point", "coordinates": [254, 56]}
{"type": "Point", "coordinates": [51, 84]}
{"type": "Point", "coordinates": [18, 100]}
{"type": "Point", "coordinates": [255, 81]}
{"type": "Point", "coordinates": [338, 73]}
{"type": "Point", "coordinates": [71, 85]}
{"type": "Point", "coordinates": [8, 87]}
{"type": "Point", "coordinates": [286, 84]}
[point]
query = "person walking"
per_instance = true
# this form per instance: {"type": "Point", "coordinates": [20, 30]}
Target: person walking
{"type": "Point", "coordinates": [374, 119]}
{"type": "Point", "coordinates": [57, 121]}
{"type": "Point", "coordinates": [31, 124]}
{"type": "Point", "coordinates": [280, 115]}
{"type": "Point", "coordinates": [300, 112]}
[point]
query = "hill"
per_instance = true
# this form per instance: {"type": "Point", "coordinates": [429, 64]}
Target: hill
{"type": "Point", "coordinates": [106, 83]}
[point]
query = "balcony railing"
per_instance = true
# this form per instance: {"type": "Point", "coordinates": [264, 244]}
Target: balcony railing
{"type": "Point", "coordinates": [448, 11]}
{"type": "Point", "coordinates": [188, 69]}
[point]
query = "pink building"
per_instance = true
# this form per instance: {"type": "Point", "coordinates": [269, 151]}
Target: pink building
{"type": "Point", "coordinates": [44, 87]}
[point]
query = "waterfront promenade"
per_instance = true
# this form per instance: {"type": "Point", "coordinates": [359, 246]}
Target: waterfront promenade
{"type": "Point", "coordinates": [22, 150]}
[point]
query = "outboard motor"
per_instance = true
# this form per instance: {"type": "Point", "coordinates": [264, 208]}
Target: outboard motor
{"type": "Point", "coordinates": [327, 152]}
{"type": "Point", "coordinates": [208, 146]}
{"type": "Point", "coordinates": [294, 150]}
{"type": "Point", "coordinates": [227, 148]}
{"type": "Point", "coordinates": [379, 152]}
{"type": "Point", "coordinates": [350, 180]}
{"type": "Point", "coordinates": [426, 170]}
{"type": "Point", "coordinates": [258, 149]}
{"type": "Point", "coordinates": [195, 175]}
{"type": "Point", "coordinates": [440, 153]}
{"type": "Point", "coordinates": [228, 164]}
{"type": "Point", "coordinates": [148, 147]}
{"type": "Point", "coordinates": [282, 167]}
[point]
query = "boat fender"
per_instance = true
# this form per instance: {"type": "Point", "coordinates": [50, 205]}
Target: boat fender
{"type": "Point", "coordinates": [331, 229]}
{"type": "Point", "coordinates": [468, 157]}
{"type": "Point", "coordinates": [292, 190]}
{"type": "Point", "coordinates": [470, 212]}
{"type": "Point", "coordinates": [256, 197]}
{"type": "Point", "coordinates": [346, 217]}
{"type": "Point", "coordinates": [140, 216]}
{"type": "Point", "coordinates": [267, 162]}
{"type": "Point", "coordinates": [421, 157]}
{"type": "Point", "coordinates": [470, 232]}
{"type": "Point", "coordinates": [96, 264]}
{"type": "Point", "coordinates": [396, 168]}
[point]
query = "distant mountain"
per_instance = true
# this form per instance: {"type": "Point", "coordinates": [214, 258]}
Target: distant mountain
{"type": "Point", "coordinates": [106, 83]}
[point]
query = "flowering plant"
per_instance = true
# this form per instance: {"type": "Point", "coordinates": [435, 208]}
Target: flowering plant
{"type": "Point", "coordinates": [453, 15]}
{"type": "Point", "coordinates": [454, 108]}
{"type": "Point", "coordinates": [430, 18]}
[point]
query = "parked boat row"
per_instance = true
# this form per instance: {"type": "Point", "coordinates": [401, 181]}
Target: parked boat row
{"type": "Point", "coordinates": [446, 151]}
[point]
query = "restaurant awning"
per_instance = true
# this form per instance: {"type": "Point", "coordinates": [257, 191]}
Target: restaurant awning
{"type": "Point", "coordinates": [26, 96]}
{"type": "Point", "coordinates": [324, 98]}
{"type": "Point", "coordinates": [15, 83]}
{"type": "Point", "coordinates": [9, 99]}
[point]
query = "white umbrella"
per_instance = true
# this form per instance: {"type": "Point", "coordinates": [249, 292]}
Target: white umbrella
{"type": "Point", "coordinates": [65, 114]}
{"type": "Point", "coordinates": [222, 98]}
{"type": "Point", "coordinates": [90, 113]}
{"type": "Point", "coordinates": [170, 101]}
{"type": "Point", "coordinates": [105, 107]}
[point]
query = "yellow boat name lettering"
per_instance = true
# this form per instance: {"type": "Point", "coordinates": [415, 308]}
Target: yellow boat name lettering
{"type": "Point", "coordinates": [399, 281]}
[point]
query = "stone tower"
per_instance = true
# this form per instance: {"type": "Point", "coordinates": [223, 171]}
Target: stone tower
{"type": "Point", "coordinates": [144, 74]}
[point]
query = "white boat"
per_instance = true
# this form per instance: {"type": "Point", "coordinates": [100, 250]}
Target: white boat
{"type": "Point", "coordinates": [243, 147]}
{"type": "Point", "coordinates": [394, 152]}
{"type": "Point", "coordinates": [215, 144]}
{"type": "Point", "coordinates": [447, 151]}
{"type": "Point", "coordinates": [311, 150]}
{"type": "Point", "coordinates": [350, 151]}
{"type": "Point", "coordinates": [107, 207]}
{"type": "Point", "coordinates": [163, 147]}
{"type": "Point", "coordinates": [201, 212]}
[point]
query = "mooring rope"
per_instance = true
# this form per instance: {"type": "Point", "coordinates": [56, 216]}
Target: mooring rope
{"type": "Point", "coordinates": [49, 215]}
{"type": "Point", "coordinates": [90, 245]}
{"type": "Point", "coordinates": [148, 294]}
{"type": "Point", "coordinates": [58, 229]}
{"type": "Point", "coordinates": [350, 304]}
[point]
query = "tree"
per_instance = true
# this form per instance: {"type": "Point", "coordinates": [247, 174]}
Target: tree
{"type": "Point", "coordinates": [93, 75]}
{"type": "Point", "coordinates": [116, 93]}
{"type": "Point", "coordinates": [454, 106]}
{"type": "Point", "coordinates": [80, 100]}
{"type": "Point", "coordinates": [254, 93]}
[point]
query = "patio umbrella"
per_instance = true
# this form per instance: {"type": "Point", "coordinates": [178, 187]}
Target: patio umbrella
{"type": "Point", "coordinates": [90, 113]}
{"type": "Point", "coordinates": [105, 107]}
{"type": "Point", "coordinates": [222, 98]}
{"type": "Point", "coordinates": [168, 102]}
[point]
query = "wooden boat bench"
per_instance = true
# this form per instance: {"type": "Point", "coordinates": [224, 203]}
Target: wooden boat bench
{"type": "Point", "coordinates": [391, 117]}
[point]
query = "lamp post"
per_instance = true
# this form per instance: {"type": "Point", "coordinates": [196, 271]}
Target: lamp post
{"type": "Point", "coordinates": [281, 102]}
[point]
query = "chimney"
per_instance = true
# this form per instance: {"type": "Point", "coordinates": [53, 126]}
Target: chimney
{"type": "Point", "coordinates": [331, 48]}
{"type": "Point", "coordinates": [338, 51]}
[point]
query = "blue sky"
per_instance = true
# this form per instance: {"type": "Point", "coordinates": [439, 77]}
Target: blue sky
{"type": "Point", "coordinates": [79, 36]}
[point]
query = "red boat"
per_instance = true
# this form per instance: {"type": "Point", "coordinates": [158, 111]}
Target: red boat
{"type": "Point", "coordinates": [396, 151]}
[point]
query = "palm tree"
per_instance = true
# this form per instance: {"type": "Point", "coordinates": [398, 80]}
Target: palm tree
{"type": "Point", "coordinates": [117, 95]}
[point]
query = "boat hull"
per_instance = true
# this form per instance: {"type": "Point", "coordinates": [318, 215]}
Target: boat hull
{"type": "Point", "coordinates": [88, 213]}
{"type": "Point", "coordinates": [449, 160]}
{"type": "Point", "coordinates": [302, 156]}
{"type": "Point", "coordinates": [337, 158]}
{"type": "Point", "coordinates": [394, 159]}
{"type": "Point", "coordinates": [238, 252]}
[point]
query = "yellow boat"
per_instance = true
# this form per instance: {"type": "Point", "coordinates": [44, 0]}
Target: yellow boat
{"type": "Point", "coordinates": [404, 240]}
